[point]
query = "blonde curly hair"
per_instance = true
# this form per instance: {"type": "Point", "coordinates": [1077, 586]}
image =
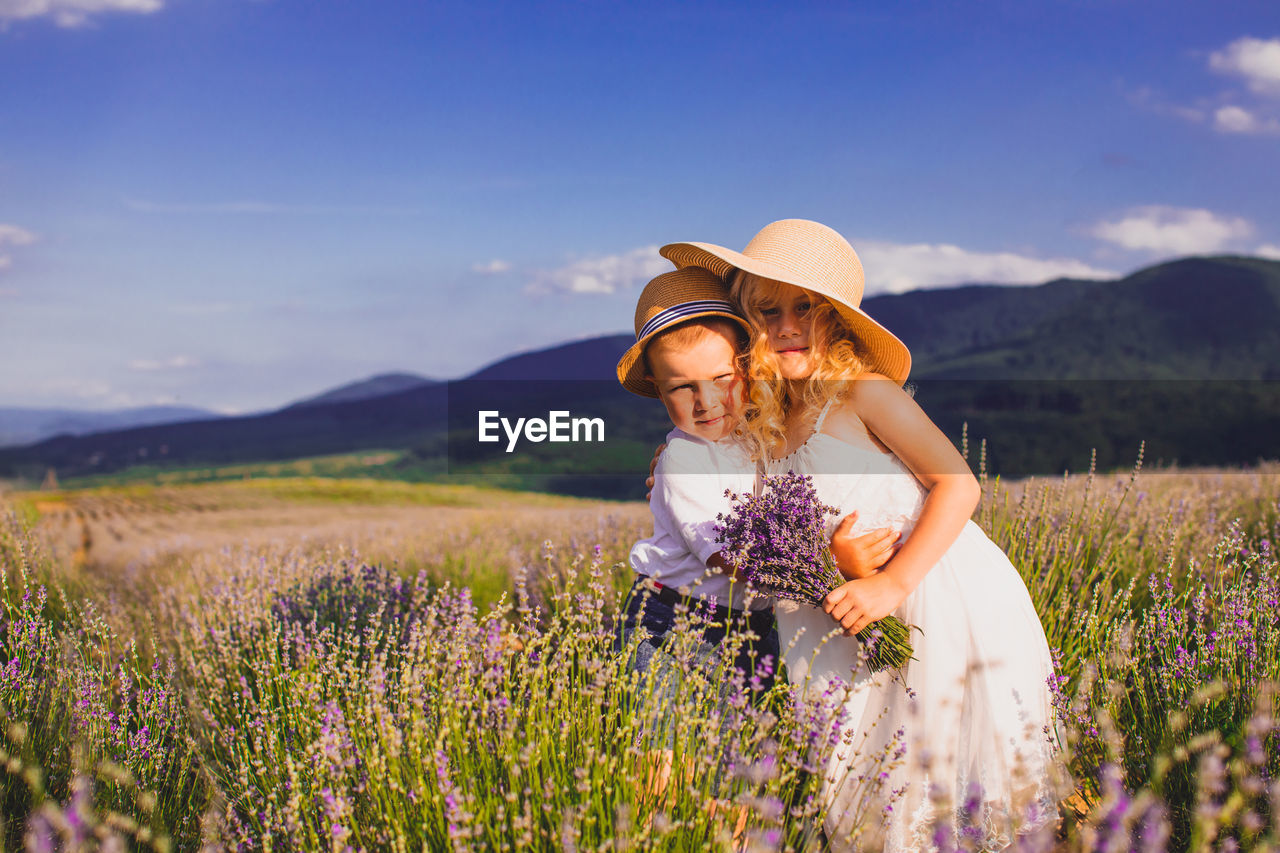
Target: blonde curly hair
{"type": "Point", "coordinates": [835, 351]}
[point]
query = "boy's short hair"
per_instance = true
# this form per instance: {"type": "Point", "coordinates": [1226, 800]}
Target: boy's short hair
{"type": "Point", "coordinates": [684, 335]}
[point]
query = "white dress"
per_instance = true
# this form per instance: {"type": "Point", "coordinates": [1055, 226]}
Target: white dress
{"type": "Point", "coordinates": [974, 705]}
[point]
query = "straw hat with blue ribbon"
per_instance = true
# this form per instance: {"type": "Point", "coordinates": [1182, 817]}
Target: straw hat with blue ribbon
{"type": "Point", "coordinates": [669, 299]}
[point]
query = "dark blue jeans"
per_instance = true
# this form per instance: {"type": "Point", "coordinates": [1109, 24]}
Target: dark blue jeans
{"type": "Point", "coordinates": [654, 612]}
{"type": "Point", "coordinates": [666, 658]}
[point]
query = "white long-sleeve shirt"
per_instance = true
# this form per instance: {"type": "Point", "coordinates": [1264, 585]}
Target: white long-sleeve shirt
{"type": "Point", "coordinates": [689, 486]}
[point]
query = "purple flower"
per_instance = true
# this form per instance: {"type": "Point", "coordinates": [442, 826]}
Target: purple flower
{"type": "Point", "coordinates": [778, 539]}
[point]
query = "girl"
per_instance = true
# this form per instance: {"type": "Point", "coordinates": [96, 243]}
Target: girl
{"type": "Point", "coordinates": [826, 401]}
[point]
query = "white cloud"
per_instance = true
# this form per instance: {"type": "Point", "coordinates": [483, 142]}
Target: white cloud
{"type": "Point", "coordinates": [1233, 119]}
{"type": "Point", "coordinates": [13, 236]}
{"type": "Point", "coordinates": [94, 391]}
{"type": "Point", "coordinates": [899, 267]}
{"type": "Point", "coordinates": [1176, 230]}
{"type": "Point", "coordinates": [72, 13]}
{"type": "Point", "coordinates": [604, 274]}
{"type": "Point", "coordinates": [1256, 60]}
{"type": "Point", "coordinates": [492, 267]}
{"type": "Point", "coordinates": [1146, 98]}
{"type": "Point", "coordinates": [1268, 250]}
{"type": "Point", "coordinates": [177, 362]}
{"type": "Point", "coordinates": [891, 268]}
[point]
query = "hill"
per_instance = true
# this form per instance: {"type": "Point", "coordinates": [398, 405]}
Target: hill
{"type": "Point", "coordinates": [394, 420]}
{"type": "Point", "coordinates": [591, 358]}
{"type": "Point", "coordinates": [1182, 356]}
{"type": "Point", "coordinates": [27, 425]}
{"type": "Point", "coordinates": [1196, 318]}
{"type": "Point", "coordinates": [374, 386]}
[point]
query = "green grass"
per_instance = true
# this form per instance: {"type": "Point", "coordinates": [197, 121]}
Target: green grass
{"type": "Point", "coordinates": [290, 490]}
{"type": "Point", "coordinates": [371, 492]}
{"type": "Point", "coordinates": [367, 463]}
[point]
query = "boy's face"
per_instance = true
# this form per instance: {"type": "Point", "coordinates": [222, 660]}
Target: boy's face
{"type": "Point", "coordinates": [700, 385]}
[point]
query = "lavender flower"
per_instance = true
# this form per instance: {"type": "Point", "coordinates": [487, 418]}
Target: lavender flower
{"type": "Point", "coordinates": [778, 541]}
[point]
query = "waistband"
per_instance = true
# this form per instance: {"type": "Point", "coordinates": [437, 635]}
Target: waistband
{"type": "Point", "coordinates": [759, 620]}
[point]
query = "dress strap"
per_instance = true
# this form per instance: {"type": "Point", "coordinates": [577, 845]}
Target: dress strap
{"type": "Point", "coordinates": [822, 416]}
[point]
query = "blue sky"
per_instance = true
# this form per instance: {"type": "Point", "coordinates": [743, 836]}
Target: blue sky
{"type": "Point", "coordinates": [235, 203]}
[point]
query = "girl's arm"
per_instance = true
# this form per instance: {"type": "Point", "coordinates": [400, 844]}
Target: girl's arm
{"type": "Point", "coordinates": [892, 417]}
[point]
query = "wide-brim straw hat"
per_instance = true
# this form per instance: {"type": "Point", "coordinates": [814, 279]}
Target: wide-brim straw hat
{"type": "Point", "coordinates": [669, 299]}
{"type": "Point", "coordinates": [812, 256]}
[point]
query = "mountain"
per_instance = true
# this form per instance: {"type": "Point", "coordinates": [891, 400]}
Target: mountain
{"type": "Point", "coordinates": [1196, 318]}
{"type": "Point", "coordinates": [24, 426]}
{"type": "Point", "coordinates": [947, 322]}
{"type": "Point", "coordinates": [1182, 355]}
{"type": "Point", "coordinates": [414, 417]}
{"type": "Point", "coordinates": [374, 386]}
{"type": "Point", "coordinates": [592, 358]}
{"type": "Point", "coordinates": [391, 421]}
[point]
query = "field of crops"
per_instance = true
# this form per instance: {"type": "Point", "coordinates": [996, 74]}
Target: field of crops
{"type": "Point", "coordinates": [337, 664]}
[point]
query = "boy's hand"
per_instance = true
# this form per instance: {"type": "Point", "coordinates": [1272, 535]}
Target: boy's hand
{"type": "Point", "coordinates": [858, 603]}
{"type": "Point", "coordinates": [861, 556]}
{"type": "Point", "coordinates": [653, 463]}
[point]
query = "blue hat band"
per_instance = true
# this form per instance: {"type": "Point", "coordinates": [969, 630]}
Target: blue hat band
{"type": "Point", "coordinates": [675, 313]}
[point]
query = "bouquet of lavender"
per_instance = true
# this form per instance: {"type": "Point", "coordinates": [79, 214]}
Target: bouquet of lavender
{"type": "Point", "coordinates": [777, 541]}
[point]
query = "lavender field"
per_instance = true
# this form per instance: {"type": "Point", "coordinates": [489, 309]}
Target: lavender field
{"type": "Point", "coordinates": [349, 665]}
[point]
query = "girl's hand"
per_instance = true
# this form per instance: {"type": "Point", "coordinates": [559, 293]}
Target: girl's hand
{"type": "Point", "coordinates": [653, 463]}
{"type": "Point", "coordinates": [858, 603]}
{"type": "Point", "coordinates": [861, 556]}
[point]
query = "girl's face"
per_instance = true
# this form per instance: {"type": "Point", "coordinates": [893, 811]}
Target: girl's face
{"type": "Point", "coordinates": [789, 326]}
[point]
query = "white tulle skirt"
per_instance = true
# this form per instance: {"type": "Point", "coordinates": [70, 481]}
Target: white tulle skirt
{"type": "Point", "coordinates": [961, 739]}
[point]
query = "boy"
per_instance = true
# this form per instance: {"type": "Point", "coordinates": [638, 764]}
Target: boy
{"type": "Point", "coordinates": [687, 353]}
